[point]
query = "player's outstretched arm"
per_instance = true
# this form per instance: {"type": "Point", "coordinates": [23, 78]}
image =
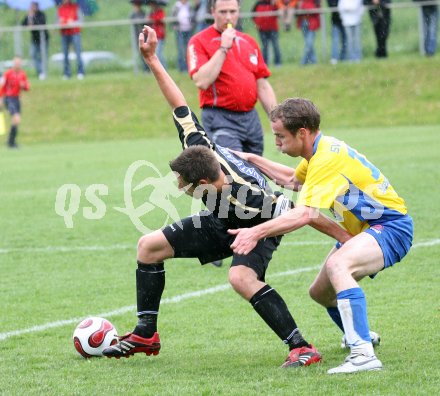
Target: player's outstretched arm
{"type": "Point", "coordinates": [328, 227]}
{"type": "Point", "coordinates": [280, 174]}
{"type": "Point", "coordinates": [247, 238]}
{"type": "Point", "coordinates": [147, 47]}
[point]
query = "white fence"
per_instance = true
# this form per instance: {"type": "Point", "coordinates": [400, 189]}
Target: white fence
{"type": "Point", "coordinates": [124, 29]}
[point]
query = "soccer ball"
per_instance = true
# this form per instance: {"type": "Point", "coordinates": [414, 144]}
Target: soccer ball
{"type": "Point", "coordinates": [93, 335]}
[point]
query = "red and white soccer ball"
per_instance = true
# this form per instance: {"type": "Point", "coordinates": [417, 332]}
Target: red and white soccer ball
{"type": "Point", "coordinates": [93, 335]}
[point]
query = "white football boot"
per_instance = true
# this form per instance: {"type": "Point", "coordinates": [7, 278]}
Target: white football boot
{"type": "Point", "coordinates": [375, 340]}
{"type": "Point", "coordinates": [356, 362]}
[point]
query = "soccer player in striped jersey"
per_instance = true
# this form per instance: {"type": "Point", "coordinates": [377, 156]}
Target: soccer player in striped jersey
{"type": "Point", "coordinates": [236, 195]}
{"type": "Point", "coordinates": [334, 176]}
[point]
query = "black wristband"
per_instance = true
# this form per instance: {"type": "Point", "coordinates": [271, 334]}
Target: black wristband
{"type": "Point", "coordinates": [224, 49]}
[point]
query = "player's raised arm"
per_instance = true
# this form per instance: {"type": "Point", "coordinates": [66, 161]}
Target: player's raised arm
{"type": "Point", "coordinates": [147, 47]}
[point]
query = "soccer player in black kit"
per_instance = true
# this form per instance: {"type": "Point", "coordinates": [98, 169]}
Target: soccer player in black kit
{"type": "Point", "coordinates": [236, 195]}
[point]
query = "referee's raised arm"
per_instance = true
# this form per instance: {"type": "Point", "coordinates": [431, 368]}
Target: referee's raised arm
{"type": "Point", "coordinates": [147, 47]}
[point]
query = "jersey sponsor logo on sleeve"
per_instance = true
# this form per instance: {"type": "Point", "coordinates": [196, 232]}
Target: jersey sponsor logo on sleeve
{"type": "Point", "coordinates": [242, 167]}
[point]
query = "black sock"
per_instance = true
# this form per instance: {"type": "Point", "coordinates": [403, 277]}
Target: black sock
{"type": "Point", "coordinates": [150, 282]}
{"type": "Point", "coordinates": [12, 135]}
{"type": "Point", "coordinates": [336, 317]}
{"type": "Point", "coordinates": [273, 310]}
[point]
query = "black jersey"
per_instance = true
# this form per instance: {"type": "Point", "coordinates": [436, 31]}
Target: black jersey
{"type": "Point", "coordinates": [246, 199]}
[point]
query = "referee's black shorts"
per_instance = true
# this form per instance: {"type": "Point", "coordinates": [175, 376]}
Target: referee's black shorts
{"type": "Point", "coordinates": [12, 103]}
{"type": "Point", "coordinates": [205, 236]}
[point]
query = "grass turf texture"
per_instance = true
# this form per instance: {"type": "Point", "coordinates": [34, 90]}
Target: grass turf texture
{"type": "Point", "coordinates": [124, 106]}
{"type": "Point", "coordinates": [214, 344]}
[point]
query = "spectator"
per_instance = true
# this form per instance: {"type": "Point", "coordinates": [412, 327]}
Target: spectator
{"type": "Point", "coordinates": [308, 24]}
{"type": "Point", "coordinates": [229, 70]}
{"type": "Point", "coordinates": [267, 27]}
{"type": "Point", "coordinates": [2, 114]}
{"type": "Point", "coordinates": [68, 13]}
{"type": "Point", "coordinates": [156, 19]}
{"type": "Point", "coordinates": [430, 27]}
{"type": "Point", "coordinates": [11, 84]}
{"type": "Point", "coordinates": [287, 8]}
{"type": "Point", "coordinates": [183, 28]}
{"type": "Point", "coordinates": [339, 39]}
{"type": "Point", "coordinates": [201, 12]}
{"type": "Point", "coordinates": [380, 15]}
{"type": "Point", "coordinates": [39, 48]}
{"type": "Point", "coordinates": [351, 12]}
{"type": "Point", "coordinates": [138, 13]}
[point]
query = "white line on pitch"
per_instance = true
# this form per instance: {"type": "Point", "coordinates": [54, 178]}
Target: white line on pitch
{"type": "Point", "coordinates": [132, 308]}
{"type": "Point", "coordinates": [432, 242]}
{"type": "Point", "coordinates": [55, 249]}
{"type": "Point", "coordinates": [64, 249]}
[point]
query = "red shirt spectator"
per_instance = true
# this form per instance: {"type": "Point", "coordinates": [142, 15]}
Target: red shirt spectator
{"type": "Point", "coordinates": [265, 23]}
{"type": "Point", "coordinates": [157, 16]}
{"type": "Point", "coordinates": [14, 81]}
{"type": "Point", "coordinates": [244, 65]}
{"type": "Point", "coordinates": [314, 19]}
{"type": "Point", "coordinates": [286, 3]}
{"type": "Point", "coordinates": [68, 13]}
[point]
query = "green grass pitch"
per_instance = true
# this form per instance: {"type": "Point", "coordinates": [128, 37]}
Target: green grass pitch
{"type": "Point", "coordinates": [213, 344]}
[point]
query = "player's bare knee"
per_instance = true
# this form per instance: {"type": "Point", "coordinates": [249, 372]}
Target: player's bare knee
{"type": "Point", "coordinates": [235, 279]}
{"type": "Point", "coordinates": [323, 298]}
{"type": "Point", "coordinates": [335, 267]}
{"type": "Point", "coordinates": [318, 295]}
{"type": "Point", "coordinates": [148, 250]}
{"type": "Point", "coordinates": [238, 280]}
{"type": "Point", "coordinates": [314, 293]}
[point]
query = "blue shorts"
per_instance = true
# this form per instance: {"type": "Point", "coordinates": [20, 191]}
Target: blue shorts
{"type": "Point", "coordinates": [394, 238]}
{"type": "Point", "coordinates": [12, 103]}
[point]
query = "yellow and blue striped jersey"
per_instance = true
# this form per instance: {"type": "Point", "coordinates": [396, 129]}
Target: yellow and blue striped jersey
{"type": "Point", "coordinates": [339, 178]}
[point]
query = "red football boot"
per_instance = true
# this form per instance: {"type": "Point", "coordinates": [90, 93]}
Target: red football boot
{"type": "Point", "coordinates": [130, 343]}
{"type": "Point", "coordinates": [303, 356]}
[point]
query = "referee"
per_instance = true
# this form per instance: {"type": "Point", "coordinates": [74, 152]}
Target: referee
{"type": "Point", "coordinates": [228, 68]}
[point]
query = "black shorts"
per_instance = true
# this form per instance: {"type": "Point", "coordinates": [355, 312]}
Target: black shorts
{"type": "Point", "coordinates": [12, 103]}
{"type": "Point", "coordinates": [205, 236]}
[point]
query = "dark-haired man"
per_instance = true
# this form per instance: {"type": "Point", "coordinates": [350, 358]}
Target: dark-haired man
{"type": "Point", "coordinates": [236, 195]}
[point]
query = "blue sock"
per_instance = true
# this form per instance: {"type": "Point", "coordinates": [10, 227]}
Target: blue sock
{"type": "Point", "coordinates": [353, 309]}
{"type": "Point", "coordinates": [336, 316]}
